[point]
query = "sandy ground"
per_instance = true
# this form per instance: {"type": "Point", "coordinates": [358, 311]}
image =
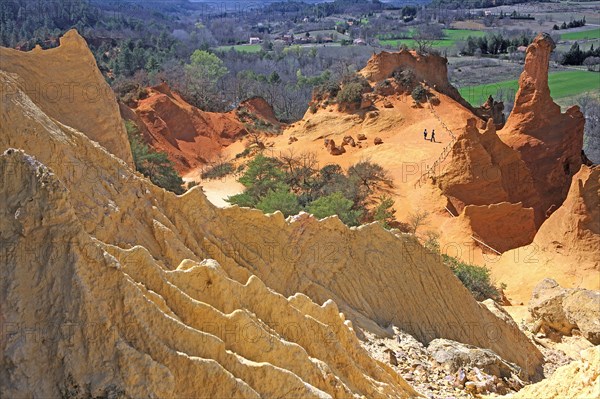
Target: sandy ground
{"type": "Point", "coordinates": [218, 190]}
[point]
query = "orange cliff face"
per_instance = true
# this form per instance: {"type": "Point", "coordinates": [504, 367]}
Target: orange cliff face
{"type": "Point", "coordinates": [76, 95]}
{"type": "Point", "coordinates": [191, 137]}
{"type": "Point", "coordinates": [548, 141]}
{"type": "Point", "coordinates": [565, 247]}
{"type": "Point", "coordinates": [431, 69]}
{"type": "Point", "coordinates": [154, 284]}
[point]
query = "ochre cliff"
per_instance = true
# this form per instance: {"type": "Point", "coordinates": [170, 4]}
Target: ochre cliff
{"type": "Point", "coordinates": [190, 136]}
{"type": "Point", "coordinates": [84, 318]}
{"type": "Point", "coordinates": [548, 141]}
{"type": "Point", "coordinates": [565, 247]}
{"type": "Point", "coordinates": [575, 226]}
{"type": "Point", "coordinates": [482, 170]}
{"type": "Point", "coordinates": [577, 380]}
{"type": "Point", "coordinates": [67, 85]}
{"type": "Point", "coordinates": [152, 272]}
{"type": "Point", "coordinates": [430, 69]}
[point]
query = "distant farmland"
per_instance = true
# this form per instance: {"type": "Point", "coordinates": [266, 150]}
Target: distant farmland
{"type": "Point", "coordinates": [582, 35]}
{"type": "Point", "coordinates": [451, 36]}
{"type": "Point", "coordinates": [562, 84]}
{"type": "Point", "coordinates": [242, 48]}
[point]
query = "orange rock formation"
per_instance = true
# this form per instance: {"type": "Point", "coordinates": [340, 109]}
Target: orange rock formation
{"type": "Point", "coordinates": [548, 141]}
{"type": "Point", "coordinates": [191, 137]}
{"type": "Point", "coordinates": [153, 284]}
{"type": "Point", "coordinates": [76, 91]}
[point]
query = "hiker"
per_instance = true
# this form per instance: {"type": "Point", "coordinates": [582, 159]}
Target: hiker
{"type": "Point", "coordinates": [433, 136]}
{"type": "Point", "coordinates": [425, 135]}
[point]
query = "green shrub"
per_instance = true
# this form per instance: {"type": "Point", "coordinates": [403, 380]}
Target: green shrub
{"type": "Point", "coordinates": [351, 93]}
{"type": "Point", "coordinates": [384, 211]}
{"type": "Point", "coordinates": [432, 242]}
{"type": "Point", "coordinates": [367, 173]}
{"type": "Point", "coordinates": [243, 199]}
{"type": "Point", "coordinates": [262, 125]}
{"type": "Point", "coordinates": [218, 171]}
{"type": "Point", "coordinates": [335, 204]}
{"type": "Point", "coordinates": [419, 94]}
{"type": "Point", "coordinates": [405, 77]}
{"type": "Point", "coordinates": [153, 164]}
{"type": "Point", "coordinates": [329, 89]}
{"type": "Point", "coordinates": [280, 200]}
{"type": "Point", "coordinates": [263, 175]}
{"type": "Point", "coordinates": [332, 179]}
{"type": "Point", "coordinates": [475, 278]}
{"type": "Point", "coordinates": [313, 108]}
{"type": "Point", "coordinates": [380, 87]}
{"type": "Point", "coordinates": [243, 113]}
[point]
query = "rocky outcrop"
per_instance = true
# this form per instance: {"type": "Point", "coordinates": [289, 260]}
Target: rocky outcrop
{"type": "Point", "coordinates": [84, 318]}
{"type": "Point", "coordinates": [260, 108]}
{"type": "Point", "coordinates": [191, 137]}
{"type": "Point", "coordinates": [349, 140]}
{"type": "Point", "coordinates": [375, 277]}
{"type": "Point", "coordinates": [454, 356]}
{"type": "Point", "coordinates": [334, 149]}
{"type": "Point", "coordinates": [546, 306]}
{"type": "Point", "coordinates": [482, 170]}
{"type": "Point", "coordinates": [77, 95]}
{"type": "Point", "coordinates": [575, 226]}
{"type": "Point", "coordinates": [428, 68]}
{"type": "Point", "coordinates": [492, 109]}
{"type": "Point", "coordinates": [502, 226]}
{"type": "Point", "coordinates": [577, 380]}
{"type": "Point", "coordinates": [548, 141]}
{"type": "Point", "coordinates": [563, 310]}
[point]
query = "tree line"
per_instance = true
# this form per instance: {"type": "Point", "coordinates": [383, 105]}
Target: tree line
{"type": "Point", "coordinates": [572, 24]}
{"type": "Point", "coordinates": [495, 43]}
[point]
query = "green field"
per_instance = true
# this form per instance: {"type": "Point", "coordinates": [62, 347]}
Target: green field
{"type": "Point", "coordinates": [242, 48]}
{"type": "Point", "coordinates": [451, 36]}
{"type": "Point", "coordinates": [586, 34]}
{"type": "Point", "coordinates": [562, 84]}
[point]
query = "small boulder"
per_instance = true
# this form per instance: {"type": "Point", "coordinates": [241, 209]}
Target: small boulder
{"type": "Point", "coordinates": [348, 140]}
{"type": "Point", "coordinates": [334, 149]}
{"type": "Point", "coordinates": [455, 355]}
{"type": "Point", "coordinates": [378, 141]}
{"type": "Point", "coordinates": [546, 307]}
{"type": "Point", "coordinates": [582, 308]}
{"type": "Point", "coordinates": [361, 137]}
{"type": "Point", "coordinates": [393, 360]}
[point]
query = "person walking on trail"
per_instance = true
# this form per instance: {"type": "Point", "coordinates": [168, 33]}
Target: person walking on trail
{"type": "Point", "coordinates": [425, 135]}
{"type": "Point", "coordinates": [433, 136]}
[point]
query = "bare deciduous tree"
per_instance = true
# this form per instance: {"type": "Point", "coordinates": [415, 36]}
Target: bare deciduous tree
{"type": "Point", "coordinates": [417, 219]}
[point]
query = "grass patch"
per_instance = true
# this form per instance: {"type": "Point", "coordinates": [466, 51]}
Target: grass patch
{"type": "Point", "coordinates": [451, 36]}
{"type": "Point", "coordinates": [562, 84]}
{"type": "Point", "coordinates": [241, 48]}
{"type": "Point", "coordinates": [586, 34]}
